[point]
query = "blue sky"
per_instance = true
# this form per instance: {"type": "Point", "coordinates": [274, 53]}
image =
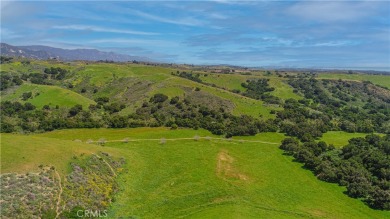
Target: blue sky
{"type": "Point", "coordinates": [323, 34]}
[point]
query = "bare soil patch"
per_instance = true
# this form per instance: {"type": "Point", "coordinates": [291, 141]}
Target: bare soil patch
{"type": "Point", "coordinates": [225, 168]}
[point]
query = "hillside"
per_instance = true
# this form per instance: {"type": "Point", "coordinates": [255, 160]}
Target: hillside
{"type": "Point", "coordinates": [213, 178]}
{"type": "Point", "coordinates": [48, 95]}
{"type": "Point", "coordinates": [171, 141]}
{"type": "Point", "coordinates": [23, 153]}
{"type": "Point", "coordinates": [132, 84]}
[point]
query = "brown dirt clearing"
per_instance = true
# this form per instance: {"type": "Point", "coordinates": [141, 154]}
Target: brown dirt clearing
{"type": "Point", "coordinates": [225, 168]}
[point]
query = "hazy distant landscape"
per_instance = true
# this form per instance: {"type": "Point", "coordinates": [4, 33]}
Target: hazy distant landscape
{"type": "Point", "coordinates": [215, 109]}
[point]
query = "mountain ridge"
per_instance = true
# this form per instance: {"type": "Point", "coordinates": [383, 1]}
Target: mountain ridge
{"type": "Point", "coordinates": [47, 52]}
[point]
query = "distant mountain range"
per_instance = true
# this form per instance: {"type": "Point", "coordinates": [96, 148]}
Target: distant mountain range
{"type": "Point", "coordinates": [46, 52]}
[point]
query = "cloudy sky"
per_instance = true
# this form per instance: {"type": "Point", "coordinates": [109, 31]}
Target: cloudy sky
{"type": "Point", "coordinates": [325, 34]}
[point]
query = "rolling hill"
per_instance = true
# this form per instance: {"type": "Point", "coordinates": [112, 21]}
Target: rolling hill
{"type": "Point", "coordinates": [195, 178]}
{"type": "Point", "coordinates": [48, 95]}
{"type": "Point", "coordinates": [177, 141]}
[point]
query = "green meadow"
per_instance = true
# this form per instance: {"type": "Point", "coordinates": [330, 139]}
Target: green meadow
{"type": "Point", "coordinates": [49, 95]}
{"type": "Point", "coordinates": [233, 81]}
{"type": "Point", "coordinates": [340, 138]}
{"type": "Point", "coordinates": [205, 178]}
{"type": "Point", "coordinates": [24, 153]}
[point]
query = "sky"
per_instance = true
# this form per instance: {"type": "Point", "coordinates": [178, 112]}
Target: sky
{"type": "Point", "coordinates": [301, 34]}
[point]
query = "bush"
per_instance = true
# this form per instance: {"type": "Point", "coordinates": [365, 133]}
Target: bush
{"type": "Point", "coordinates": [174, 100]}
{"type": "Point", "coordinates": [26, 95]}
{"type": "Point", "coordinates": [158, 98]}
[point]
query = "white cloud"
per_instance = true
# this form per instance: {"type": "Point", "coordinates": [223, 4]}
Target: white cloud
{"type": "Point", "coordinates": [7, 34]}
{"type": "Point", "coordinates": [144, 42]}
{"type": "Point", "coordinates": [332, 11]}
{"type": "Point", "coordinates": [188, 21]}
{"type": "Point", "coordinates": [102, 29]}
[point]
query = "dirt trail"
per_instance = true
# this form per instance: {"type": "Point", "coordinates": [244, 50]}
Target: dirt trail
{"type": "Point", "coordinates": [109, 166]}
{"type": "Point", "coordinates": [178, 139]}
{"type": "Point", "coordinates": [59, 194]}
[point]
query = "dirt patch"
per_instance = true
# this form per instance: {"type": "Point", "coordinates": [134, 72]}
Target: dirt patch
{"type": "Point", "coordinates": [225, 169]}
{"type": "Point", "coordinates": [317, 213]}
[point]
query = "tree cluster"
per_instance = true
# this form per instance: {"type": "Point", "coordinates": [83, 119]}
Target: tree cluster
{"type": "Point", "coordinates": [182, 113]}
{"type": "Point", "coordinates": [363, 166]}
{"type": "Point", "coordinates": [56, 73]}
{"type": "Point", "coordinates": [298, 121]}
{"type": "Point", "coordinates": [5, 59]}
{"type": "Point", "coordinates": [259, 89]}
{"type": "Point", "coordinates": [190, 76]}
{"type": "Point", "coordinates": [8, 80]}
{"type": "Point", "coordinates": [341, 108]}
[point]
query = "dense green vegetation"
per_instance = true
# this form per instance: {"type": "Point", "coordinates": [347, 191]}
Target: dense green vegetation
{"type": "Point", "coordinates": [8, 80]}
{"type": "Point", "coordinates": [337, 111]}
{"type": "Point", "coordinates": [259, 89]}
{"type": "Point", "coordinates": [362, 166]}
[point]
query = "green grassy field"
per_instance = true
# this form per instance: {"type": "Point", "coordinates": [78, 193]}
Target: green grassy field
{"type": "Point", "coordinates": [340, 138]}
{"type": "Point", "coordinates": [49, 95]}
{"type": "Point", "coordinates": [216, 179]}
{"type": "Point", "coordinates": [24, 153]}
{"type": "Point", "coordinates": [120, 134]}
{"type": "Point", "coordinates": [282, 89]}
{"type": "Point", "coordinates": [103, 73]}
{"type": "Point", "coordinates": [233, 81]}
{"type": "Point", "coordinates": [228, 81]}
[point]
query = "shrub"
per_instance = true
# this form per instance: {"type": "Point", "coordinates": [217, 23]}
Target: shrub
{"type": "Point", "coordinates": [158, 98]}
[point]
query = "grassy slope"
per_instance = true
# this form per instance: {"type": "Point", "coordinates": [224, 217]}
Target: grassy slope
{"type": "Point", "coordinates": [100, 74]}
{"type": "Point", "coordinates": [106, 77]}
{"type": "Point", "coordinates": [243, 105]}
{"type": "Point", "coordinates": [179, 179]}
{"type": "Point", "coordinates": [383, 80]}
{"type": "Point", "coordinates": [21, 153]}
{"type": "Point", "coordinates": [340, 138]}
{"type": "Point", "coordinates": [282, 89]}
{"type": "Point", "coordinates": [233, 81]}
{"type": "Point", "coordinates": [37, 66]}
{"type": "Point", "coordinates": [50, 95]}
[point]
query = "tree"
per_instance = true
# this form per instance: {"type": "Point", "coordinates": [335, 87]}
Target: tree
{"type": "Point", "coordinates": [158, 98]}
{"type": "Point", "coordinates": [75, 110]}
{"type": "Point", "coordinates": [26, 95]}
{"type": "Point", "coordinates": [174, 100]}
